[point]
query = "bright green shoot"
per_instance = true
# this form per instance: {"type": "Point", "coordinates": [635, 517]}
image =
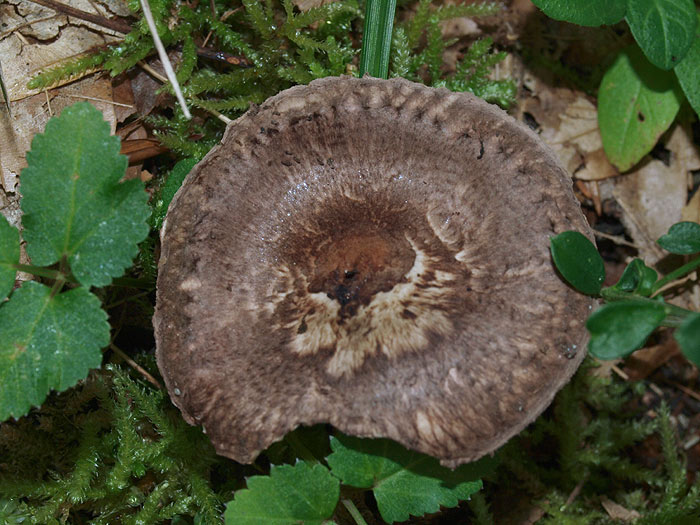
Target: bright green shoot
{"type": "Point", "coordinates": [635, 305]}
{"type": "Point", "coordinates": [376, 40]}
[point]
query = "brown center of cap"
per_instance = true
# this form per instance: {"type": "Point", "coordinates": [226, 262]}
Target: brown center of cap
{"type": "Point", "coordinates": [359, 263]}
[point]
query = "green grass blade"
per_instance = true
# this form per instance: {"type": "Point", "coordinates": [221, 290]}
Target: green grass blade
{"type": "Point", "coordinates": [376, 41]}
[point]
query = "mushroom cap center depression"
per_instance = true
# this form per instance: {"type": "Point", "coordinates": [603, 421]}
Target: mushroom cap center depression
{"type": "Point", "coordinates": [358, 263]}
{"type": "Point", "coordinates": [366, 278]}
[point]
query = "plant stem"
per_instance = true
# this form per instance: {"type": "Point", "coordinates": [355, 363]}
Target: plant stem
{"type": "Point", "coordinates": [675, 314]}
{"type": "Point", "coordinates": [677, 273]}
{"type": "Point", "coordinates": [58, 275]}
{"type": "Point", "coordinates": [376, 39]}
{"type": "Point", "coordinates": [352, 509]}
{"type": "Point", "coordinates": [45, 272]}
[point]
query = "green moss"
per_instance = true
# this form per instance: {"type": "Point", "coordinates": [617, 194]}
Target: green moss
{"type": "Point", "coordinates": [284, 47]}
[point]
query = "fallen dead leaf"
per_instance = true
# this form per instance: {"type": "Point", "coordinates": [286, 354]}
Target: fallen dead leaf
{"type": "Point", "coordinates": [653, 197]}
{"type": "Point", "coordinates": [617, 511]}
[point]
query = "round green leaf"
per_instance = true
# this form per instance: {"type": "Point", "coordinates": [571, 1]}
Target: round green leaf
{"type": "Point", "coordinates": [47, 343]}
{"type": "Point", "coordinates": [683, 238]}
{"type": "Point", "coordinates": [578, 261]}
{"type": "Point", "coordinates": [688, 337]}
{"type": "Point", "coordinates": [301, 493]}
{"type": "Point", "coordinates": [637, 278]}
{"type": "Point", "coordinates": [688, 72]}
{"type": "Point", "coordinates": [637, 102]}
{"type": "Point", "coordinates": [9, 256]}
{"type": "Point", "coordinates": [584, 12]}
{"type": "Point", "coordinates": [620, 328]}
{"type": "Point", "coordinates": [664, 29]}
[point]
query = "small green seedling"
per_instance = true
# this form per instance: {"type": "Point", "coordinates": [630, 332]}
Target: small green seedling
{"type": "Point", "coordinates": [635, 306]}
{"type": "Point", "coordinates": [82, 225]}
{"type": "Point", "coordinates": [642, 91]}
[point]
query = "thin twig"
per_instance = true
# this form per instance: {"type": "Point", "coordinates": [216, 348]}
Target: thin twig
{"type": "Point", "coordinates": [673, 284]}
{"type": "Point", "coordinates": [620, 372]}
{"type": "Point", "coordinates": [164, 58]}
{"type": "Point", "coordinates": [574, 493]}
{"type": "Point", "coordinates": [685, 389]}
{"type": "Point", "coordinates": [617, 239]}
{"type": "Point", "coordinates": [102, 100]}
{"type": "Point", "coordinates": [48, 103]}
{"type": "Point", "coordinates": [148, 69]}
{"type": "Point", "coordinates": [135, 365]}
{"type": "Point", "coordinates": [114, 24]}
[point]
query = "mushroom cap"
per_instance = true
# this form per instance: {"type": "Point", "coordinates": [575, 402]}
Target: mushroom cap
{"type": "Point", "coordinates": [372, 254]}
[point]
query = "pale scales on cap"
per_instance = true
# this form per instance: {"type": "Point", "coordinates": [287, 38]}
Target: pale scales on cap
{"type": "Point", "coordinates": [372, 254]}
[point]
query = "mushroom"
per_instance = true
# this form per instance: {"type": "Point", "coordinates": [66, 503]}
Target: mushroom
{"type": "Point", "coordinates": [375, 255]}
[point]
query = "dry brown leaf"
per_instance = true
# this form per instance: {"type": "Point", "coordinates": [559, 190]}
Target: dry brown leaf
{"type": "Point", "coordinates": [305, 5]}
{"type": "Point", "coordinates": [568, 122]}
{"type": "Point", "coordinates": [577, 141]}
{"type": "Point", "coordinates": [29, 117]}
{"type": "Point", "coordinates": [652, 197]}
{"type": "Point", "coordinates": [34, 39]}
{"type": "Point", "coordinates": [644, 362]}
{"type": "Point", "coordinates": [691, 211]}
{"type": "Point", "coordinates": [617, 511]}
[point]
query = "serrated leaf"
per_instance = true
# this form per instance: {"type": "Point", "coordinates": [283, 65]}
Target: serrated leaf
{"type": "Point", "coordinates": [47, 343]}
{"type": "Point", "coordinates": [688, 337]}
{"type": "Point", "coordinates": [637, 278]}
{"type": "Point", "coordinates": [169, 189]}
{"type": "Point", "coordinates": [637, 102]}
{"type": "Point", "coordinates": [9, 256]}
{"type": "Point", "coordinates": [620, 328]}
{"type": "Point", "coordinates": [590, 13]}
{"type": "Point", "coordinates": [301, 493]}
{"type": "Point", "coordinates": [683, 238]}
{"type": "Point", "coordinates": [74, 203]}
{"type": "Point", "coordinates": [404, 482]}
{"type": "Point", "coordinates": [688, 72]}
{"type": "Point", "coordinates": [578, 261]}
{"type": "Point", "coordinates": [664, 29]}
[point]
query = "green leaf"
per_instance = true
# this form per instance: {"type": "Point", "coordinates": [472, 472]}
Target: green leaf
{"type": "Point", "coordinates": [637, 102]}
{"type": "Point", "coordinates": [688, 72]}
{"type": "Point", "coordinates": [376, 39]}
{"type": "Point", "coordinates": [664, 29]}
{"type": "Point", "coordinates": [300, 494]}
{"type": "Point", "coordinates": [404, 483]}
{"type": "Point", "coordinates": [169, 189]}
{"type": "Point", "coordinates": [47, 343]}
{"type": "Point", "coordinates": [584, 12]}
{"type": "Point", "coordinates": [637, 278]}
{"type": "Point", "coordinates": [578, 261]}
{"type": "Point", "coordinates": [74, 205]}
{"type": "Point", "coordinates": [9, 256]}
{"type": "Point", "coordinates": [620, 328]}
{"type": "Point", "coordinates": [688, 337]}
{"type": "Point", "coordinates": [683, 238]}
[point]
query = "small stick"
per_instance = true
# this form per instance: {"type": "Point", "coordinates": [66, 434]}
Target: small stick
{"type": "Point", "coordinates": [135, 366]}
{"type": "Point", "coordinates": [114, 24]}
{"type": "Point", "coordinates": [48, 103]}
{"type": "Point", "coordinates": [617, 239]}
{"type": "Point", "coordinates": [102, 100]}
{"type": "Point", "coordinates": [673, 284]}
{"type": "Point", "coordinates": [574, 493]}
{"type": "Point", "coordinates": [620, 372]}
{"type": "Point", "coordinates": [164, 58]}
